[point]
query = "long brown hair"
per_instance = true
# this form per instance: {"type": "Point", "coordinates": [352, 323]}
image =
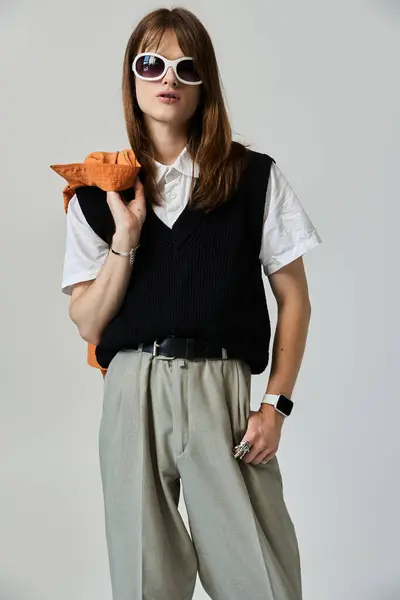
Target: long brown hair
{"type": "Point", "coordinates": [209, 142]}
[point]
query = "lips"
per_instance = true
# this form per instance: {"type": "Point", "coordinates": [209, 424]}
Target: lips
{"type": "Point", "coordinates": [168, 95]}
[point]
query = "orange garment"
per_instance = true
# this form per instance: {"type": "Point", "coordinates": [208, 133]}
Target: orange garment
{"type": "Point", "coordinates": [109, 171]}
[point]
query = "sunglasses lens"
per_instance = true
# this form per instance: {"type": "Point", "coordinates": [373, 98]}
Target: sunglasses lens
{"type": "Point", "coordinates": [150, 66]}
{"type": "Point", "coordinates": [187, 71]}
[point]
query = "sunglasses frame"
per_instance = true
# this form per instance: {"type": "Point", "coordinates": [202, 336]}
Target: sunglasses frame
{"type": "Point", "coordinates": [167, 64]}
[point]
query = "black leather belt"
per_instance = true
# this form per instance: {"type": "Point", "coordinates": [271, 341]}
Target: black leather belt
{"type": "Point", "coordinates": [173, 347]}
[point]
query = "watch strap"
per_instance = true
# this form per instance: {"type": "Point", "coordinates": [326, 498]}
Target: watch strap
{"type": "Point", "coordinates": [281, 403]}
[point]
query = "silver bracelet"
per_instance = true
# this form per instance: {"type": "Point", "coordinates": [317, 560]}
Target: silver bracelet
{"type": "Point", "coordinates": [131, 253]}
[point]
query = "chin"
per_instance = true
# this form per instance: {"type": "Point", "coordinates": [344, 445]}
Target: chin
{"type": "Point", "coordinates": [166, 116]}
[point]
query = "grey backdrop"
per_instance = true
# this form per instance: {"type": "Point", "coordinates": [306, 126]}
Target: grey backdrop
{"type": "Point", "coordinates": [314, 84]}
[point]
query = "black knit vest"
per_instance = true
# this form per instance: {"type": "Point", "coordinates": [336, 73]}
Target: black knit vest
{"type": "Point", "coordinates": [200, 279]}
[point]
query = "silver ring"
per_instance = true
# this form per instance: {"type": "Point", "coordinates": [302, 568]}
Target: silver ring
{"type": "Point", "coordinates": [264, 462]}
{"type": "Point", "coordinates": [242, 449]}
{"type": "Point", "coordinates": [245, 445]}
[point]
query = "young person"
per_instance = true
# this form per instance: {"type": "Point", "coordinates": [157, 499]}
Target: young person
{"type": "Point", "coordinates": [177, 309]}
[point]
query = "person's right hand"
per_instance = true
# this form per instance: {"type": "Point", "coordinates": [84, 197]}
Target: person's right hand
{"type": "Point", "coordinates": [128, 218]}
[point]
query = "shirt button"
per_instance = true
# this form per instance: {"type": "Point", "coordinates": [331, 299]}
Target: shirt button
{"type": "Point", "coordinates": [173, 195]}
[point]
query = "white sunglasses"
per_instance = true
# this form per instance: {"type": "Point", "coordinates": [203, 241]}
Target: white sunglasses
{"type": "Point", "coordinates": [150, 66]}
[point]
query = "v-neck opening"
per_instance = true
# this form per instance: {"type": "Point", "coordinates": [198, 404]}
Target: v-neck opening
{"type": "Point", "coordinates": [183, 227]}
{"type": "Point", "coordinates": [177, 221]}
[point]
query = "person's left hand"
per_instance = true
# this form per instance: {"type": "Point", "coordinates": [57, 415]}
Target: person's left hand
{"type": "Point", "coordinates": [263, 432]}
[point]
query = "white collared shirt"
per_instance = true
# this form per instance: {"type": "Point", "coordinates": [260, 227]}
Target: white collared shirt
{"type": "Point", "coordinates": [287, 231]}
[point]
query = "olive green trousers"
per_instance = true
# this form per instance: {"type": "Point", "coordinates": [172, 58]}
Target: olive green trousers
{"type": "Point", "coordinates": [168, 424]}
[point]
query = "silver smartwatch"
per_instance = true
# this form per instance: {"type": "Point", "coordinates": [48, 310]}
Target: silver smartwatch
{"type": "Point", "coordinates": [282, 404]}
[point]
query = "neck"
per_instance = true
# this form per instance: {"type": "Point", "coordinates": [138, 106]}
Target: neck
{"type": "Point", "coordinates": [168, 141]}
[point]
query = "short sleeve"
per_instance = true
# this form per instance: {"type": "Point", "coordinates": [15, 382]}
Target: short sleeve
{"type": "Point", "coordinates": [288, 232]}
{"type": "Point", "coordinates": [85, 251]}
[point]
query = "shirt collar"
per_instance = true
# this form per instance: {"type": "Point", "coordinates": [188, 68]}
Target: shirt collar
{"type": "Point", "coordinates": [183, 163]}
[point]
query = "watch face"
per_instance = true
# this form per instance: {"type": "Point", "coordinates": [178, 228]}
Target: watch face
{"type": "Point", "coordinates": [284, 405]}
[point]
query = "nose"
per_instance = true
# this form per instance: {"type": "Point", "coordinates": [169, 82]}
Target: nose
{"type": "Point", "coordinates": [170, 77]}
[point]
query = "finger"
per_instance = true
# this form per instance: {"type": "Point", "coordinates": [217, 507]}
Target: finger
{"type": "Point", "coordinates": [112, 196]}
{"type": "Point", "coordinates": [250, 456]}
{"type": "Point", "coordinates": [247, 440]}
{"type": "Point", "coordinates": [265, 455]}
{"type": "Point", "coordinates": [114, 201]}
{"type": "Point", "coordinates": [268, 458]}
{"type": "Point", "coordinates": [139, 190]}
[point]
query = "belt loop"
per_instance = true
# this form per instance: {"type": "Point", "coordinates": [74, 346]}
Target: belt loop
{"type": "Point", "coordinates": [140, 348]}
{"type": "Point", "coordinates": [155, 346]}
{"type": "Point", "coordinates": [224, 354]}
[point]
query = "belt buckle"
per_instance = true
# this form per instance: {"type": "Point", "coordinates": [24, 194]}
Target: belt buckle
{"type": "Point", "coordinates": [160, 356]}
